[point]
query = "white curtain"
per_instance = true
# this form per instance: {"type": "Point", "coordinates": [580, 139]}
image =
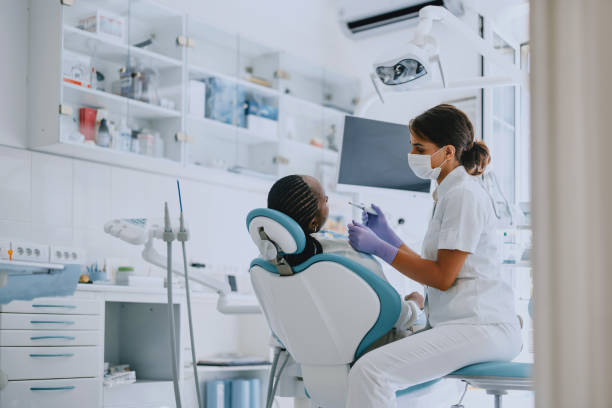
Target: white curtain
{"type": "Point", "coordinates": [571, 85]}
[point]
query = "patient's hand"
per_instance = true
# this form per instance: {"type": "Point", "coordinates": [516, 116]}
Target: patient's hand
{"type": "Point", "coordinates": [417, 298]}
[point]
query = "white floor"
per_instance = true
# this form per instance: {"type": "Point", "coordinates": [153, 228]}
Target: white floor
{"type": "Point", "coordinates": [475, 398]}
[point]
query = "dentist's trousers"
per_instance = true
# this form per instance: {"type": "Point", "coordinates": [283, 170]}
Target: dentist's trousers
{"type": "Point", "coordinates": [425, 356]}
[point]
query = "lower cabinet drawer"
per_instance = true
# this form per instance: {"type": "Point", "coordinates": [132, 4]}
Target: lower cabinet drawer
{"type": "Point", "coordinates": [37, 338]}
{"type": "Point", "coordinates": [24, 321]}
{"type": "Point", "coordinates": [71, 393]}
{"type": "Point", "coordinates": [26, 363]}
{"type": "Point", "coordinates": [57, 305]}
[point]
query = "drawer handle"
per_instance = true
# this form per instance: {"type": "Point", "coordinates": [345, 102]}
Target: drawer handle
{"type": "Point", "coordinates": [51, 322]}
{"type": "Point", "coordinates": [66, 387]}
{"type": "Point", "coordinates": [52, 337]}
{"type": "Point", "coordinates": [63, 306]}
{"type": "Point", "coordinates": [52, 355]}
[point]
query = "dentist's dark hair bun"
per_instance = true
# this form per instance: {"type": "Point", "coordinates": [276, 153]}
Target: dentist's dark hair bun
{"type": "Point", "coordinates": [446, 125]}
{"type": "Point", "coordinates": [476, 158]}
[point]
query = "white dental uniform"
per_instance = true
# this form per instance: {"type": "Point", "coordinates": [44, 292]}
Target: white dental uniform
{"type": "Point", "coordinates": [473, 321]}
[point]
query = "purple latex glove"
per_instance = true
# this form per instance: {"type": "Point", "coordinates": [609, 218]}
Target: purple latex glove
{"type": "Point", "coordinates": [378, 224]}
{"type": "Point", "coordinates": [363, 239]}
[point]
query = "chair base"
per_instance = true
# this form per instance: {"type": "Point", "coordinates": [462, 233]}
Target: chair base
{"type": "Point", "coordinates": [497, 397]}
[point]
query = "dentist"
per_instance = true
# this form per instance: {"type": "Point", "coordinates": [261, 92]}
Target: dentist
{"type": "Point", "coordinates": [470, 309]}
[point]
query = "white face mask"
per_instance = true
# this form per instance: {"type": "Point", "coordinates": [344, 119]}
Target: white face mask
{"type": "Point", "coordinates": [421, 165]}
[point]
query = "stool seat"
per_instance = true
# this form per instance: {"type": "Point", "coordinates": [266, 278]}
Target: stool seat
{"type": "Point", "coordinates": [416, 388]}
{"type": "Point", "coordinates": [496, 369]}
{"type": "Point", "coordinates": [497, 376]}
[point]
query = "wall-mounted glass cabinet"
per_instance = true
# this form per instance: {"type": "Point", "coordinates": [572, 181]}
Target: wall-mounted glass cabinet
{"type": "Point", "coordinates": [135, 83]}
{"type": "Point", "coordinates": [120, 72]}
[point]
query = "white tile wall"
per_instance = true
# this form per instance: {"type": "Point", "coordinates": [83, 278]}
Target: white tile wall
{"type": "Point", "coordinates": [52, 187]}
{"type": "Point", "coordinates": [58, 200]}
{"type": "Point", "coordinates": [92, 194]}
{"type": "Point", "coordinates": [51, 234]}
{"type": "Point", "coordinates": [15, 170]}
{"type": "Point", "coordinates": [15, 229]}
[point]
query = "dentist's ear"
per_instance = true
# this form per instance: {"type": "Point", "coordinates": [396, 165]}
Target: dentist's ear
{"type": "Point", "coordinates": [449, 151]}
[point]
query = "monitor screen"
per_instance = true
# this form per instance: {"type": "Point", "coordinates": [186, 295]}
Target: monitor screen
{"type": "Point", "coordinates": [374, 154]}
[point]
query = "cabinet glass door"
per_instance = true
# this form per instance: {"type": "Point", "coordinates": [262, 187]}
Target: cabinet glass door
{"type": "Point", "coordinates": [155, 67]}
{"type": "Point", "coordinates": [212, 94]}
{"type": "Point", "coordinates": [232, 107]}
{"type": "Point", "coordinates": [302, 115]}
{"type": "Point", "coordinates": [258, 107]}
{"type": "Point", "coordinates": [314, 102]}
{"type": "Point", "coordinates": [95, 49]}
{"type": "Point", "coordinates": [121, 77]}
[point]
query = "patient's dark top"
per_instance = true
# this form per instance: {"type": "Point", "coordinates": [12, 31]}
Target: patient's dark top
{"type": "Point", "coordinates": [312, 248]}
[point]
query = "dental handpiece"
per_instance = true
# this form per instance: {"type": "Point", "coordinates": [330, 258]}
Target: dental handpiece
{"type": "Point", "coordinates": [362, 207]}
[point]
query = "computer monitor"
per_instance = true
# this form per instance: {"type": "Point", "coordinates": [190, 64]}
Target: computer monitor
{"type": "Point", "coordinates": [374, 154]}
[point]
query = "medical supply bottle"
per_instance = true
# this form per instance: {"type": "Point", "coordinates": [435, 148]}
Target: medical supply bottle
{"type": "Point", "coordinates": [103, 139]}
{"type": "Point", "coordinates": [125, 137]}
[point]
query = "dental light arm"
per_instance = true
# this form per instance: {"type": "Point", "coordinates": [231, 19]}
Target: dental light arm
{"type": "Point", "coordinates": [430, 14]}
{"type": "Point", "coordinates": [142, 231]}
{"type": "Point", "coordinates": [411, 69]}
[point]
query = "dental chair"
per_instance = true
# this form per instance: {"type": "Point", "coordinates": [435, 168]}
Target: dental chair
{"type": "Point", "coordinates": [327, 312]}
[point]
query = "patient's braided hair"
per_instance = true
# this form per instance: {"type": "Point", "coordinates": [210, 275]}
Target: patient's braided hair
{"type": "Point", "coordinates": [293, 197]}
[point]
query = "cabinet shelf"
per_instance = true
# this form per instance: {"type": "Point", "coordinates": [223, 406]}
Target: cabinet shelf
{"type": "Point", "coordinates": [305, 148]}
{"type": "Point", "coordinates": [110, 156]}
{"type": "Point", "coordinates": [310, 108]}
{"type": "Point", "coordinates": [205, 127]}
{"type": "Point", "coordinates": [86, 43]}
{"type": "Point", "coordinates": [80, 96]}
{"type": "Point", "coordinates": [195, 72]}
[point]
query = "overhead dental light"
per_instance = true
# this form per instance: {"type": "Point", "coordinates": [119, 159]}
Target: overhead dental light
{"type": "Point", "coordinates": [409, 68]}
{"type": "Point", "coordinates": [414, 67]}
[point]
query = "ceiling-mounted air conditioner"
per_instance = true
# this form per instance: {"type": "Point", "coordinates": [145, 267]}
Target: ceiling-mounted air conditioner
{"type": "Point", "coordinates": [363, 18]}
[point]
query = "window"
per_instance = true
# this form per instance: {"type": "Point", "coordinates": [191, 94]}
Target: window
{"type": "Point", "coordinates": [502, 141]}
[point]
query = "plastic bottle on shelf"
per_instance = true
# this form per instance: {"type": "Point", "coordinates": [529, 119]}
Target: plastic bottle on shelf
{"type": "Point", "coordinates": [134, 143]}
{"type": "Point", "coordinates": [159, 145]}
{"type": "Point", "coordinates": [103, 138]}
{"type": "Point", "coordinates": [147, 142]}
{"type": "Point", "coordinates": [125, 136]}
{"type": "Point", "coordinates": [115, 137]}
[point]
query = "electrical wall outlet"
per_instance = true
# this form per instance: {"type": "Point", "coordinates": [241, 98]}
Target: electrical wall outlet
{"type": "Point", "coordinates": [4, 247]}
{"type": "Point", "coordinates": [67, 255]}
{"type": "Point", "coordinates": [29, 251]}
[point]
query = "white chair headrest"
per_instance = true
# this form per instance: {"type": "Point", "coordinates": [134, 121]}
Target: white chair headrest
{"type": "Point", "coordinates": [280, 228]}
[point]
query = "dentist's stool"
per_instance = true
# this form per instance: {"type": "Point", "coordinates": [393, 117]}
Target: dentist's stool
{"type": "Point", "coordinates": [326, 311]}
{"type": "Point", "coordinates": [497, 378]}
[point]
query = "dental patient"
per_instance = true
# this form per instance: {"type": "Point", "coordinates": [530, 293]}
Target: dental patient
{"type": "Point", "coordinates": [303, 199]}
